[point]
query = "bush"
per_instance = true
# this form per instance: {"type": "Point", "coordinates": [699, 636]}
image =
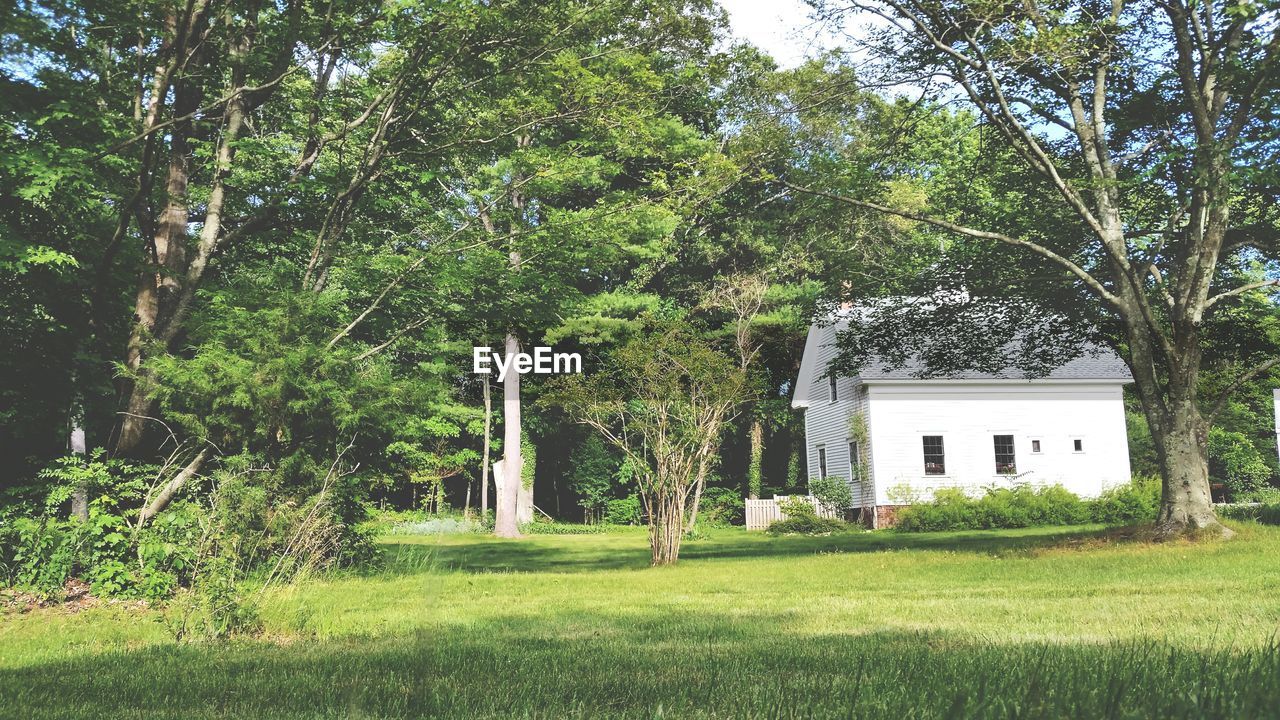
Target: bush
{"type": "Point", "coordinates": [1236, 463]}
{"type": "Point", "coordinates": [721, 506]}
{"type": "Point", "coordinates": [802, 519]}
{"type": "Point", "coordinates": [1265, 513]}
{"type": "Point", "coordinates": [623, 511]}
{"type": "Point", "coordinates": [950, 509]}
{"type": "Point", "coordinates": [1136, 501]}
{"type": "Point", "coordinates": [436, 526]}
{"type": "Point", "coordinates": [39, 555]}
{"type": "Point", "coordinates": [548, 527]}
{"type": "Point", "coordinates": [833, 493]}
{"type": "Point", "coordinates": [1025, 506]}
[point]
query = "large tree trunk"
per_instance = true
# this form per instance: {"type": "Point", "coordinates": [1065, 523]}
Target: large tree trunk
{"type": "Point", "coordinates": [505, 524]}
{"type": "Point", "coordinates": [1186, 504]}
{"type": "Point", "coordinates": [484, 463]}
{"type": "Point", "coordinates": [754, 470]}
{"type": "Point", "coordinates": [1178, 431]}
{"type": "Point", "coordinates": [158, 282]}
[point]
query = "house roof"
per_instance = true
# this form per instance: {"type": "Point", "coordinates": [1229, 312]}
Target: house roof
{"type": "Point", "coordinates": [1095, 363]}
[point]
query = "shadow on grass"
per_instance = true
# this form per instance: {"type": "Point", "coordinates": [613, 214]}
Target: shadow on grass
{"type": "Point", "coordinates": [648, 662]}
{"type": "Point", "coordinates": [595, 553]}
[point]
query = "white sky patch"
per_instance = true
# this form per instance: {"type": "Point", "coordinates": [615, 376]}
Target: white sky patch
{"type": "Point", "coordinates": [782, 28]}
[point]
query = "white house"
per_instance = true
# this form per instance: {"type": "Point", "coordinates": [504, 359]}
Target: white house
{"type": "Point", "coordinates": [899, 437]}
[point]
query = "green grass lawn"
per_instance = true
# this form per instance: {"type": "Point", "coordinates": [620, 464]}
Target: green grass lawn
{"type": "Point", "coordinates": [1035, 623]}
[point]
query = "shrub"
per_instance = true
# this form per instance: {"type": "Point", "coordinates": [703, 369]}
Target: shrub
{"type": "Point", "coordinates": [802, 519]}
{"type": "Point", "coordinates": [623, 511]}
{"type": "Point", "coordinates": [548, 527]}
{"type": "Point", "coordinates": [1136, 501]}
{"type": "Point", "coordinates": [1267, 514]}
{"type": "Point", "coordinates": [1019, 506]}
{"type": "Point", "coordinates": [1235, 462]}
{"type": "Point", "coordinates": [833, 493]}
{"type": "Point", "coordinates": [950, 509]}
{"type": "Point", "coordinates": [436, 526]}
{"type": "Point", "coordinates": [39, 555]}
{"type": "Point", "coordinates": [722, 506]}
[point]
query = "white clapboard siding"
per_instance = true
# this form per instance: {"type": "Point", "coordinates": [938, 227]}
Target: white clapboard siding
{"type": "Point", "coordinates": [762, 513]}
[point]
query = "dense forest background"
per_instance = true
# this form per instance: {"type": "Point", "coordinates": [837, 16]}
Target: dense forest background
{"type": "Point", "coordinates": [249, 246]}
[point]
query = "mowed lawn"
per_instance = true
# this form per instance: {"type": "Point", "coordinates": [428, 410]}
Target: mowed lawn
{"type": "Point", "coordinates": [1063, 623]}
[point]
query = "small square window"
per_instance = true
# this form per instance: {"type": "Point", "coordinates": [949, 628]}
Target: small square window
{"type": "Point", "coordinates": [1077, 444]}
{"type": "Point", "coordinates": [1035, 446]}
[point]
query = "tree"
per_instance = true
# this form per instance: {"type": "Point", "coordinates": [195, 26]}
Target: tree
{"type": "Point", "coordinates": [580, 183]}
{"type": "Point", "coordinates": [663, 401]}
{"type": "Point", "coordinates": [1143, 122]}
{"type": "Point", "coordinates": [593, 469]}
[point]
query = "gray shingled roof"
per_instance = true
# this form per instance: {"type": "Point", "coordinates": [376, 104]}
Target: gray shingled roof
{"type": "Point", "coordinates": [1094, 363]}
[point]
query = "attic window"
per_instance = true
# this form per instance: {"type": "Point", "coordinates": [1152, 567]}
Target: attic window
{"type": "Point", "coordinates": [1005, 464]}
{"type": "Point", "coordinates": [831, 388]}
{"type": "Point", "coordinates": [934, 457]}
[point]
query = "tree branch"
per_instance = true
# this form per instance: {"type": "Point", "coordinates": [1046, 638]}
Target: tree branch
{"type": "Point", "coordinates": [1240, 291]}
{"type": "Point", "coordinates": [1237, 384]}
{"type": "Point", "coordinates": [1097, 287]}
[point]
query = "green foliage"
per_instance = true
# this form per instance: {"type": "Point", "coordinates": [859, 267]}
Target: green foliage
{"type": "Point", "coordinates": [1264, 513]}
{"type": "Point", "coordinates": [216, 607]}
{"type": "Point", "coordinates": [1236, 462]}
{"type": "Point", "coordinates": [113, 483]}
{"type": "Point", "coordinates": [802, 519]}
{"type": "Point", "coordinates": [528, 460]}
{"type": "Point", "coordinates": [624, 511]}
{"type": "Point", "coordinates": [592, 473]}
{"type": "Point", "coordinates": [38, 555]}
{"type": "Point", "coordinates": [547, 527]}
{"type": "Point", "coordinates": [1134, 502]}
{"type": "Point", "coordinates": [1142, 449]}
{"type": "Point", "coordinates": [1016, 507]}
{"type": "Point", "coordinates": [833, 493]}
{"type": "Point", "coordinates": [721, 506]}
{"type": "Point", "coordinates": [662, 401]}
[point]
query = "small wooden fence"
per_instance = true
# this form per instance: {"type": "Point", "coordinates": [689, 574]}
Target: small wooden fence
{"type": "Point", "coordinates": [761, 513]}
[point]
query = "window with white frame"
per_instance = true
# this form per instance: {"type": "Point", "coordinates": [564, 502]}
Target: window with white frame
{"type": "Point", "coordinates": [1006, 463]}
{"type": "Point", "coordinates": [831, 388]}
{"type": "Point", "coordinates": [1035, 446]}
{"type": "Point", "coordinates": [935, 462]}
{"type": "Point", "coordinates": [1077, 445]}
{"type": "Point", "coordinates": [854, 459]}
{"type": "Point", "coordinates": [822, 462]}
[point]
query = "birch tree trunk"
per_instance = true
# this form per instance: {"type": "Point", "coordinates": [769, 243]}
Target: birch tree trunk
{"type": "Point", "coordinates": [505, 524]}
{"type": "Point", "coordinates": [80, 497]}
{"type": "Point", "coordinates": [484, 460]}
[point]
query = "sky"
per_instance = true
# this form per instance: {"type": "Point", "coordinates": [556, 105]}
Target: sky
{"type": "Point", "coordinates": [781, 28]}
